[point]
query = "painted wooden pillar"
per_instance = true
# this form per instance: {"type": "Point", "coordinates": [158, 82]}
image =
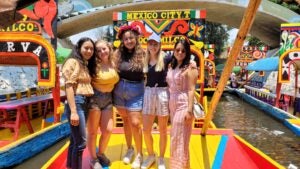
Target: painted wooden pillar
{"type": "Point", "coordinates": [56, 97]}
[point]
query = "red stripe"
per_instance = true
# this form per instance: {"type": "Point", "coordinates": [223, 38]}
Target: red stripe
{"type": "Point", "coordinates": [259, 160]}
{"type": "Point", "coordinates": [60, 161]}
{"type": "Point", "coordinates": [115, 16]}
{"type": "Point", "coordinates": [235, 157]}
{"type": "Point", "coordinates": [202, 14]}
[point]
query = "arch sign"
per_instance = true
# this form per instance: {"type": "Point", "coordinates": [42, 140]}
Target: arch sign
{"type": "Point", "coordinates": [30, 45]}
{"type": "Point", "coordinates": [170, 25]}
{"type": "Point", "coordinates": [22, 44]}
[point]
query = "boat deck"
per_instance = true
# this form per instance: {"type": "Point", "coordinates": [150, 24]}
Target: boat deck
{"type": "Point", "coordinates": [219, 149]}
{"type": "Point", "coordinates": [7, 135]}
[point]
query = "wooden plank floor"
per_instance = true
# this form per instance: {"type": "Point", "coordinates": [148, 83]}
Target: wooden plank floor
{"type": "Point", "coordinates": [206, 152]}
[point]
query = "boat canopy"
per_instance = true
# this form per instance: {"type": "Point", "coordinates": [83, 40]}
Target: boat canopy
{"type": "Point", "coordinates": [266, 64]}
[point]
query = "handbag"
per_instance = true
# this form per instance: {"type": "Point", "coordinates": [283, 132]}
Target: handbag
{"type": "Point", "coordinates": [198, 110]}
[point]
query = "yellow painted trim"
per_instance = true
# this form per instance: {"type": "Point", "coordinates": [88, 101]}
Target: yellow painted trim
{"type": "Point", "coordinates": [259, 152]}
{"type": "Point", "coordinates": [201, 70]}
{"type": "Point", "coordinates": [294, 121]}
{"type": "Point", "coordinates": [280, 64]}
{"type": "Point", "coordinates": [22, 140]}
{"type": "Point", "coordinates": [209, 89]}
{"type": "Point", "coordinates": [58, 153]}
{"type": "Point", "coordinates": [289, 24]}
{"type": "Point", "coordinates": [43, 42]}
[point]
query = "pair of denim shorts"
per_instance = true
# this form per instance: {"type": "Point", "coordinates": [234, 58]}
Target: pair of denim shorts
{"type": "Point", "coordinates": [129, 95]}
{"type": "Point", "coordinates": [100, 101]}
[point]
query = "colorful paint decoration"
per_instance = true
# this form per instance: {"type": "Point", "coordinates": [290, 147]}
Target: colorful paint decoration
{"type": "Point", "coordinates": [249, 54]}
{"type": "Point", "coordinates": [290, 37]}
{"type": "Point", "coordinates": [210, 66]}
{"type": "Point", "coordinates": [209, 51]}
{"type": "Point", "coordinates": [22, 43]}
{"type": "Point", "coordinates": [289, 49]}
{"type": "Point", "coordinates": [45, 11]}
{"type": "Point", "coordinates": [170, 25]}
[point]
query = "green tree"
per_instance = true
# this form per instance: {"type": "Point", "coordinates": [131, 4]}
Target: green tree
{"type": "Point", "coordinates": [216, 33]}
{"type": "Point", "coordinates": [108, 33]}
{"type": "Point", "coordinates": [293, 5]}
{"type": "Point", "coordinates": [254, 41]}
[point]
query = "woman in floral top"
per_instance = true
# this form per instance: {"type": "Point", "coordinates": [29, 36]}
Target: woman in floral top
{"type": "Point", "coordinates": [78, 88]}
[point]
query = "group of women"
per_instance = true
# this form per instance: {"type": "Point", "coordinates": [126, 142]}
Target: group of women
{"type": "Point", "coordinates": [141, 85]}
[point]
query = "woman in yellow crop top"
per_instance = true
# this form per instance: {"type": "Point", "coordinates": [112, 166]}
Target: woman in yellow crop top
{"type": "Point", "coordinates": [104, 78]}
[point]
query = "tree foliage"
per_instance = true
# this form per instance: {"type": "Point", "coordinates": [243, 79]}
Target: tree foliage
{"type": "Point", "coordinates": [254, 41]}
{"type": "Point", "coordinates": [216, 34]}
{"type": "Point", "coordinates": [293, 5]}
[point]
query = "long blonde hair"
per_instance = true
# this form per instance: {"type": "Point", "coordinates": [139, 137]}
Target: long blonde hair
{"type": "Point", "coordinates": [111, 59]}
{"type": "Point", "coordinates": [160, 65]}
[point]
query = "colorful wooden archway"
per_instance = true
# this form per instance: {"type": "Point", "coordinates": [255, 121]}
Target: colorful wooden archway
{"type": "Point", "coordinates": [210, 65]}
{"type": "Point", "coordinates": [15, 48]}
{"type": "Point", "coordinates": [285, 60]}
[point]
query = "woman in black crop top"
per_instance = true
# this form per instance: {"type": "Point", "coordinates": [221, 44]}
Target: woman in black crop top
{"type": "Point", "coordinates": [155, 100]}
{"type": "Point", "coordinates": [129, 92]}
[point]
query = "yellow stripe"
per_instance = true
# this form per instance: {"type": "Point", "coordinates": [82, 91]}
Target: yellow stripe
{"type": "Point", "coordinates": [290, 24]}
{"type": "Point", "coordinates": [259, 152]}
{"type": "Point", "coordinates": [53, 158]}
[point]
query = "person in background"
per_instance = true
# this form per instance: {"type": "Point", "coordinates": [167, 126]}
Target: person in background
{"type": "Point", "coordinates": [78, 88]}
{"type": "Point", "coordinates": [104, 78]}
{"type": "Point", "coordinates": [181, 79]}
{"type": "Point", "coordinates": [297, 101]}
{"type": "Point", "coordinates": [129, 91]}
{"type": "Point", "coordinates": [155, 100]}
{"type": "Point", "coordinates": [233, 80]}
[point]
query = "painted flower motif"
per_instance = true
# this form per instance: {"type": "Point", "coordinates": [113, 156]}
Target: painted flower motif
{"type": "Point", "coordinates": [125, 28]}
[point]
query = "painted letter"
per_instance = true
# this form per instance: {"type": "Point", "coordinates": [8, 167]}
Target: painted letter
{"type": "Point", "coordinates": [37, 51]}
{"type": "Point", "coordinates": [10, 47]}
{"type": "Point", "coordinates": [25, 46]}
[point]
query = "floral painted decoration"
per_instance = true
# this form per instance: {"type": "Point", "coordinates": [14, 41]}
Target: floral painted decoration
{"type": "Point", "coordinates": [126, 28]}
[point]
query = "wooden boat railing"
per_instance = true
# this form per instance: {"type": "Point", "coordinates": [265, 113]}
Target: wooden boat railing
{"type": "Point", "coordinates": [261, 94]}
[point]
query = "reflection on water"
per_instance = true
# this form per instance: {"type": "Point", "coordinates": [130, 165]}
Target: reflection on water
{"type": "Point", "coordinates": [259, 129]}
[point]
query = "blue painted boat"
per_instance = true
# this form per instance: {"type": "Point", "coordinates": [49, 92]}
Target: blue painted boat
{"type": "Point", "coordinates": [292, 122]}
{"type": "Point", "coordinates": [27, 147]}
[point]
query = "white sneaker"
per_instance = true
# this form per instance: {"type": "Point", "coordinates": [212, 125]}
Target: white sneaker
{"type": "Point", "coordinates": [148, 162]}
{"type": "Point", "coordinates": [95, 164]}
{"type": "Point", "coordinates": [137, 162]}
{"type": "Point", "coordinates": [128, 156]}
{"type": "Point", "coordinates": [161, 163]}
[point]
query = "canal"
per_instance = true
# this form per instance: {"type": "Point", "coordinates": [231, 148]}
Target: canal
{"type": "Point", "coordinates": [259, 129]}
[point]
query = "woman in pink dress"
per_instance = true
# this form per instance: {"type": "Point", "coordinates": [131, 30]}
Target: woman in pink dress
{"type": "Point", "coordinates": [181, 79]}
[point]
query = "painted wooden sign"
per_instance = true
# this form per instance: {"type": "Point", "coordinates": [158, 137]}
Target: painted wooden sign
{"type": "Point", "coordinates": [249, 54]}
{"type": "Point", "coordinates": [290, 37]}
{"type": "Point", "coordinates": [22, 43]}
{"type": "Point", "coordinates": [170, 25]}
{"type": "Point", "coordinates": [289, 49]}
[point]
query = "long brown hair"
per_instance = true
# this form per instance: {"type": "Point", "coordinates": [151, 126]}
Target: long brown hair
{"type": "Point", "coordinates": [120, 54]}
